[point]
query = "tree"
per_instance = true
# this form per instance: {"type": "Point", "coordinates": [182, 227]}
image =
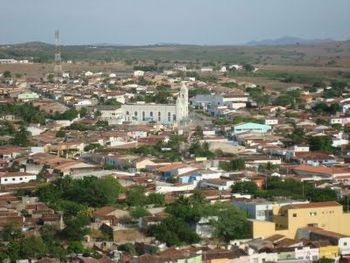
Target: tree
{"type": "Point", "coordinates": [156, 199]}
{"type": "Point", "coordinates": [248, 67]}
{"type": "Point", "coordinates": [297, 137]}
{"type": "Point", "coordinates": [231, 224]}
{"type": "Point", "coordinates": [11, 233]}
{"type": "Point", "coordinates": [198, 133]}
{"type": "Point", "coordinates": [174, 232]}
{"type": "Point", "coordinates": [61, 134]}
{"type": "Point", "coordinates": [136, 196]}
{"type": "Point", "coordinates": [233, 165]}
{"type": "Point", "coordinates": [7, 74]}
{"type": "Point", "coordinates": [128, 247]}
{"type": "Point", "coordinates": [83, 112]}
{"type": "Point", "coordinates": [75, 247]}
{"type": "Point", "coordinates": [67, 115]}
{"type": "Point", "coordinates": [245, 188]}
{"type": "Point", "coordinates": [201, 149]}
{"type": "Point", "coordinates": [32, 247]}
{"type": "Point", "coordinates": [75, 229]}
{"type": "Point", "coordinates": [92, 146]}
{"type": "Point", "coordinates": [89, 191]}
{"type": "Point", "coordinates": [21, 138]}
{"type": "Point", "coordinates": [321, 143]}
{"type": "Point", "coordinates": [138, 212]}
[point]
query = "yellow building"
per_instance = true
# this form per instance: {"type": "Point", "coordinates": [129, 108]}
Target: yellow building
{"type": "Point", "coordinates": [287, 219]}
{"type": "Point", "coordinates": [329, 252]}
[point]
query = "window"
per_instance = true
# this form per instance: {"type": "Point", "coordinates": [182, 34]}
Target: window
{"type": "Point", "coordinates": [345, 244]}
{"type": "Point", "coordinates": [21, 179]}
{"type": "Point", "coordinates": [135, 113]}
{"type": "Point", "coordinates": [174, 117]}
{"type": "Point", "coordinates": [294, 215]}
{"type": "Point", "coordinates": [143, 115]}
{"type": "Point", "coordinates": [159, 116]}
{"type": "Point", "coordinates": [151, 114]}
{"type": "Point", "coordinates": [13, 179]}
{"type": "Point", "coordinates": [313, 213]}
{"type": "Point", "coordinates": [169, 114]}
{"type": "Point", "coordinates": [127, 113]}
{"type": "Point", "coordinates": [5, 179]}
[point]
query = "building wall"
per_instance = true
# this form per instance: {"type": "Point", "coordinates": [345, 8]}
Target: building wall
{"type": "Point", "coordinates": [222, 260]}
{"type": "Point", "coordinates": [195, 259]}
{"type": "Point", "coordinates": [17, 179]}
{"type": "Point", "coordinates": [149, 112]}
{"type": "Point", "coordinates": [329, 252]}
{"type": "Point", "coordinates": [307, 253]}
{"type": "Point", "coordinates": [253, 127]}
{"type": "Point", "coordinates": [344, 244]}
{"type": "Point", "coordinates": [286, 255]}
{"type": "Point", "coordinates": [161, 113]}
{"type": "Point", "coordinates": [287, 221]}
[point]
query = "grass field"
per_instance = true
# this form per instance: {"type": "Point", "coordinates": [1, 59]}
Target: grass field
{"type": "Point", "coordinates": [303, 64]}
{"type": "Point", "coordinates": [327, 54]}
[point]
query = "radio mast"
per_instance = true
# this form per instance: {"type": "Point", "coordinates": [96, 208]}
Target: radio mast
{"type": "Point", "coordinates": [58, 62]}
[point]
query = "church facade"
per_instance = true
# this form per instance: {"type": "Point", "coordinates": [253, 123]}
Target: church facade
{"type": "Point", "coordinates": [160, 113]}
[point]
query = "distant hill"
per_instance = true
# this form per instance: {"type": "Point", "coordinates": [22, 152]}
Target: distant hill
{"type": "Point", "coordinates": [288, 41]}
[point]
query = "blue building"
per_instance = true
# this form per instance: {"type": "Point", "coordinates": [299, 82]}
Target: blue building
{"type": "Point", "coordinates": [250, 127]}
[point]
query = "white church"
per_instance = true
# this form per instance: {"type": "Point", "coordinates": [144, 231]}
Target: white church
{"type": "Point", "coordinates": [141, 112]}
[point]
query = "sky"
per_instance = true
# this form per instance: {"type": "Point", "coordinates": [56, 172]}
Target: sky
{"type": "Point", "coordinates": [144, 22]}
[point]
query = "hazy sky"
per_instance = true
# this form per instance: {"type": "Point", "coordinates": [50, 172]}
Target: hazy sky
{"type": "Point", "coordinates": [171, 21]}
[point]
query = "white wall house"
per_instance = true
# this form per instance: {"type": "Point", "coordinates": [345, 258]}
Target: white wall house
{"type": "Point", "coordinates": [341, 121]}
{"type": "Point", "coordinates": [271, 121]}
{"type": "Point", "coordinates": [213, 101]}
{"type": "Point", "coordinates": [139, 73]}
{"type": "Point", "coordinates": [15, 178]}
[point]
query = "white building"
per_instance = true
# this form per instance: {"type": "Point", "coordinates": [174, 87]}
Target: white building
{"type": "Point", "coordinates": [341, 120]}
{"type": "Point", "coordinates": [139, 73]}
{"type": "Point", "coordinates": [15, 177]}
{"type": "Point", "coordinates": [8, 61]}
{"type": "Point", "coordinates": [207, 69]}
{"type": "Point", "coordinates": [162, 113]}
{"type": "Point", "coordinates": [213, 101]}
{"type": "Point", "coordinates": [88, 74]}
{"type": "Point", "coordinates": [271, 121]}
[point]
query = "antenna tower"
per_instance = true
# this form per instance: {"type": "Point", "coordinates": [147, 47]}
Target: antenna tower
{"type": "Point", "coordinates": [58, 61]}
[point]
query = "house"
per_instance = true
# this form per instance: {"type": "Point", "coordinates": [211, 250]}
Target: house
{"type": "Point", "coordinates": [342, 121]}
{"type": "Point", "coordinates": [234, 255]}
{"type": "Point", "coordinates": [28, 96]}
{"type": "Point", "coordinates": [314, 158]}
{"type": "Point", "coordinates": [319, 234]}
{"type": "Point", "coordinates": [289, 218]}
{"type": "Point", "coordinates": [309, 172]}
{"type": "Point", "coordinates": [16, 178]}
{"type": "Point", "coordinates": [250, 127]}
{"type": "Point", "coordinates": [10, 216]}
{"type": "Point", "coordinates": [204, 227]}
{"type": "Point", "coordinates": [261, 209]}
{"type": "Point", "coordinates": [139, 73]}
{"type": "Point", "coordinates": [8, 153]}
{"type": "Point", "coordinates": [120, 161]}
{"type": "Point", "coordinates": [206, 69]}
{"type": "Point", "coordinates": [173, 255]}
{"type": "Point", "coordinates": [218, 184]}
{"type": "Point", "coordinates": [271, 121]}
{"type": "Point", "coordinates": [212, 103]}
{"type": "Point", "coordinates": [176, 169]}
{"type": "Point", "coordinates": [88, 74]}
